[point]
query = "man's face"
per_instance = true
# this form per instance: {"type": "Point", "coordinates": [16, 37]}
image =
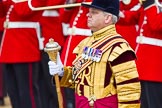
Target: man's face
{"type": "Point", "coordinates": [96, 19]}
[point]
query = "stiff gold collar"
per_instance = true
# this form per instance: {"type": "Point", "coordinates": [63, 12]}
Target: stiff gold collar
{"type": "Point", "coordinates": [105, 31]}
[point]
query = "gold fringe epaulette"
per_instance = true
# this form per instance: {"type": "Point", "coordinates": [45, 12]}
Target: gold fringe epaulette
{"type": "Point", "coordinates": [66, 80]}
{"type": "Point", "coordinates": [117, 51]}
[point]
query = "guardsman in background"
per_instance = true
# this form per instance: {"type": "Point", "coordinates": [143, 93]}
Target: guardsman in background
{"type": "Point", "coordinates": [51, 27]}
{"type": "Point", "coordinates": [19, 52]}
{"type": "Point", "coordinates": [76, 17]}
{"type": "Point", "coordinates": [2, 88]}
{"type": "Point", "coordinates": [149, 53]}
{"type": "Point", "coordinates": [127, 25]}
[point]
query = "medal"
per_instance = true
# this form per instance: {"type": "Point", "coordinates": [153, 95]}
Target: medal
{"type": "Point", "coordinates": [92, 54]}
{"type": "Point", "coordinates": [85, 53]}
{"type": "Point", "coordinates": [98, 55]}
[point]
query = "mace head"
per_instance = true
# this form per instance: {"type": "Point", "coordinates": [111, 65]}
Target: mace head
{"type": "Point", "coordinates": [52, 46]}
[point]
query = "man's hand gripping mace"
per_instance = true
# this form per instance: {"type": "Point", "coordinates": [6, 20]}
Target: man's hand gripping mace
{"type": "Point", "coordinates": [52, 49]}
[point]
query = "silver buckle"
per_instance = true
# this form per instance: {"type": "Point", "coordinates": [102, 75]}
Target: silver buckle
{"type": "Point", "coordinates": [91, 100]}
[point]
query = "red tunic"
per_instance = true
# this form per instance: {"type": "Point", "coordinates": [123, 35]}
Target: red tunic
{"type": "Point", "coordinates": [126, 27]}
{"type": "Point", "coordinates": [76, 17]}
{"type": "Point", "coordinates": [51, 27]}
{"type": "Point", "coordinates": [2, 14]}
{"type": "Point", "coordinates": [149, 53]}
{"type": "Point", "coordinates": [20, 44]}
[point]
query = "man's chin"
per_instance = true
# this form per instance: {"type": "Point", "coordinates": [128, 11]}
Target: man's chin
{"type": "Point", "coordinates": [89, 25]}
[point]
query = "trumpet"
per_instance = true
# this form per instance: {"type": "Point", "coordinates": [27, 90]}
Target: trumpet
{"type": "Point", "coordinates": [158, 3]}
{"type": "Point", "coordinates": [53, 7]}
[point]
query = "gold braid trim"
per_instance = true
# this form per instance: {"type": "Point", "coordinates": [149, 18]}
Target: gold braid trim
{"type": "Point", "coordinates": [129, 106]}
{"type": "Point", "coordinates": [66, 80]}
{"type": "Point", "coordinates": [128, 92]}
{"type": "Point", "coordinates": [98, 35]}
{"type": "Point", "coordinates": [117, 51]}
{"type": "Point", "coordinates": [125, 71]}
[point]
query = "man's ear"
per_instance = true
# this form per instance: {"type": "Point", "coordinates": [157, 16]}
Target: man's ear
{"type": "Point", "coordinates": [108, 18]}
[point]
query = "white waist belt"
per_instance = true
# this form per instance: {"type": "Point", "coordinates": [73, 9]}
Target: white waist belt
{"type": "Point", "coordinates": [78, 31]}
{"type": "Point", "coordinates": [34, 25]}
{"type": "Point", "coordinates": [22, 24]}
{"type": "Point", "coordinates": [148, 40]}
{"type": "Point", "coordinates": [50, 13]}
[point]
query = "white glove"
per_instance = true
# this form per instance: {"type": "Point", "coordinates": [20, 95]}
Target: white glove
{"type": "Point", "coordinates": [56, 68]}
